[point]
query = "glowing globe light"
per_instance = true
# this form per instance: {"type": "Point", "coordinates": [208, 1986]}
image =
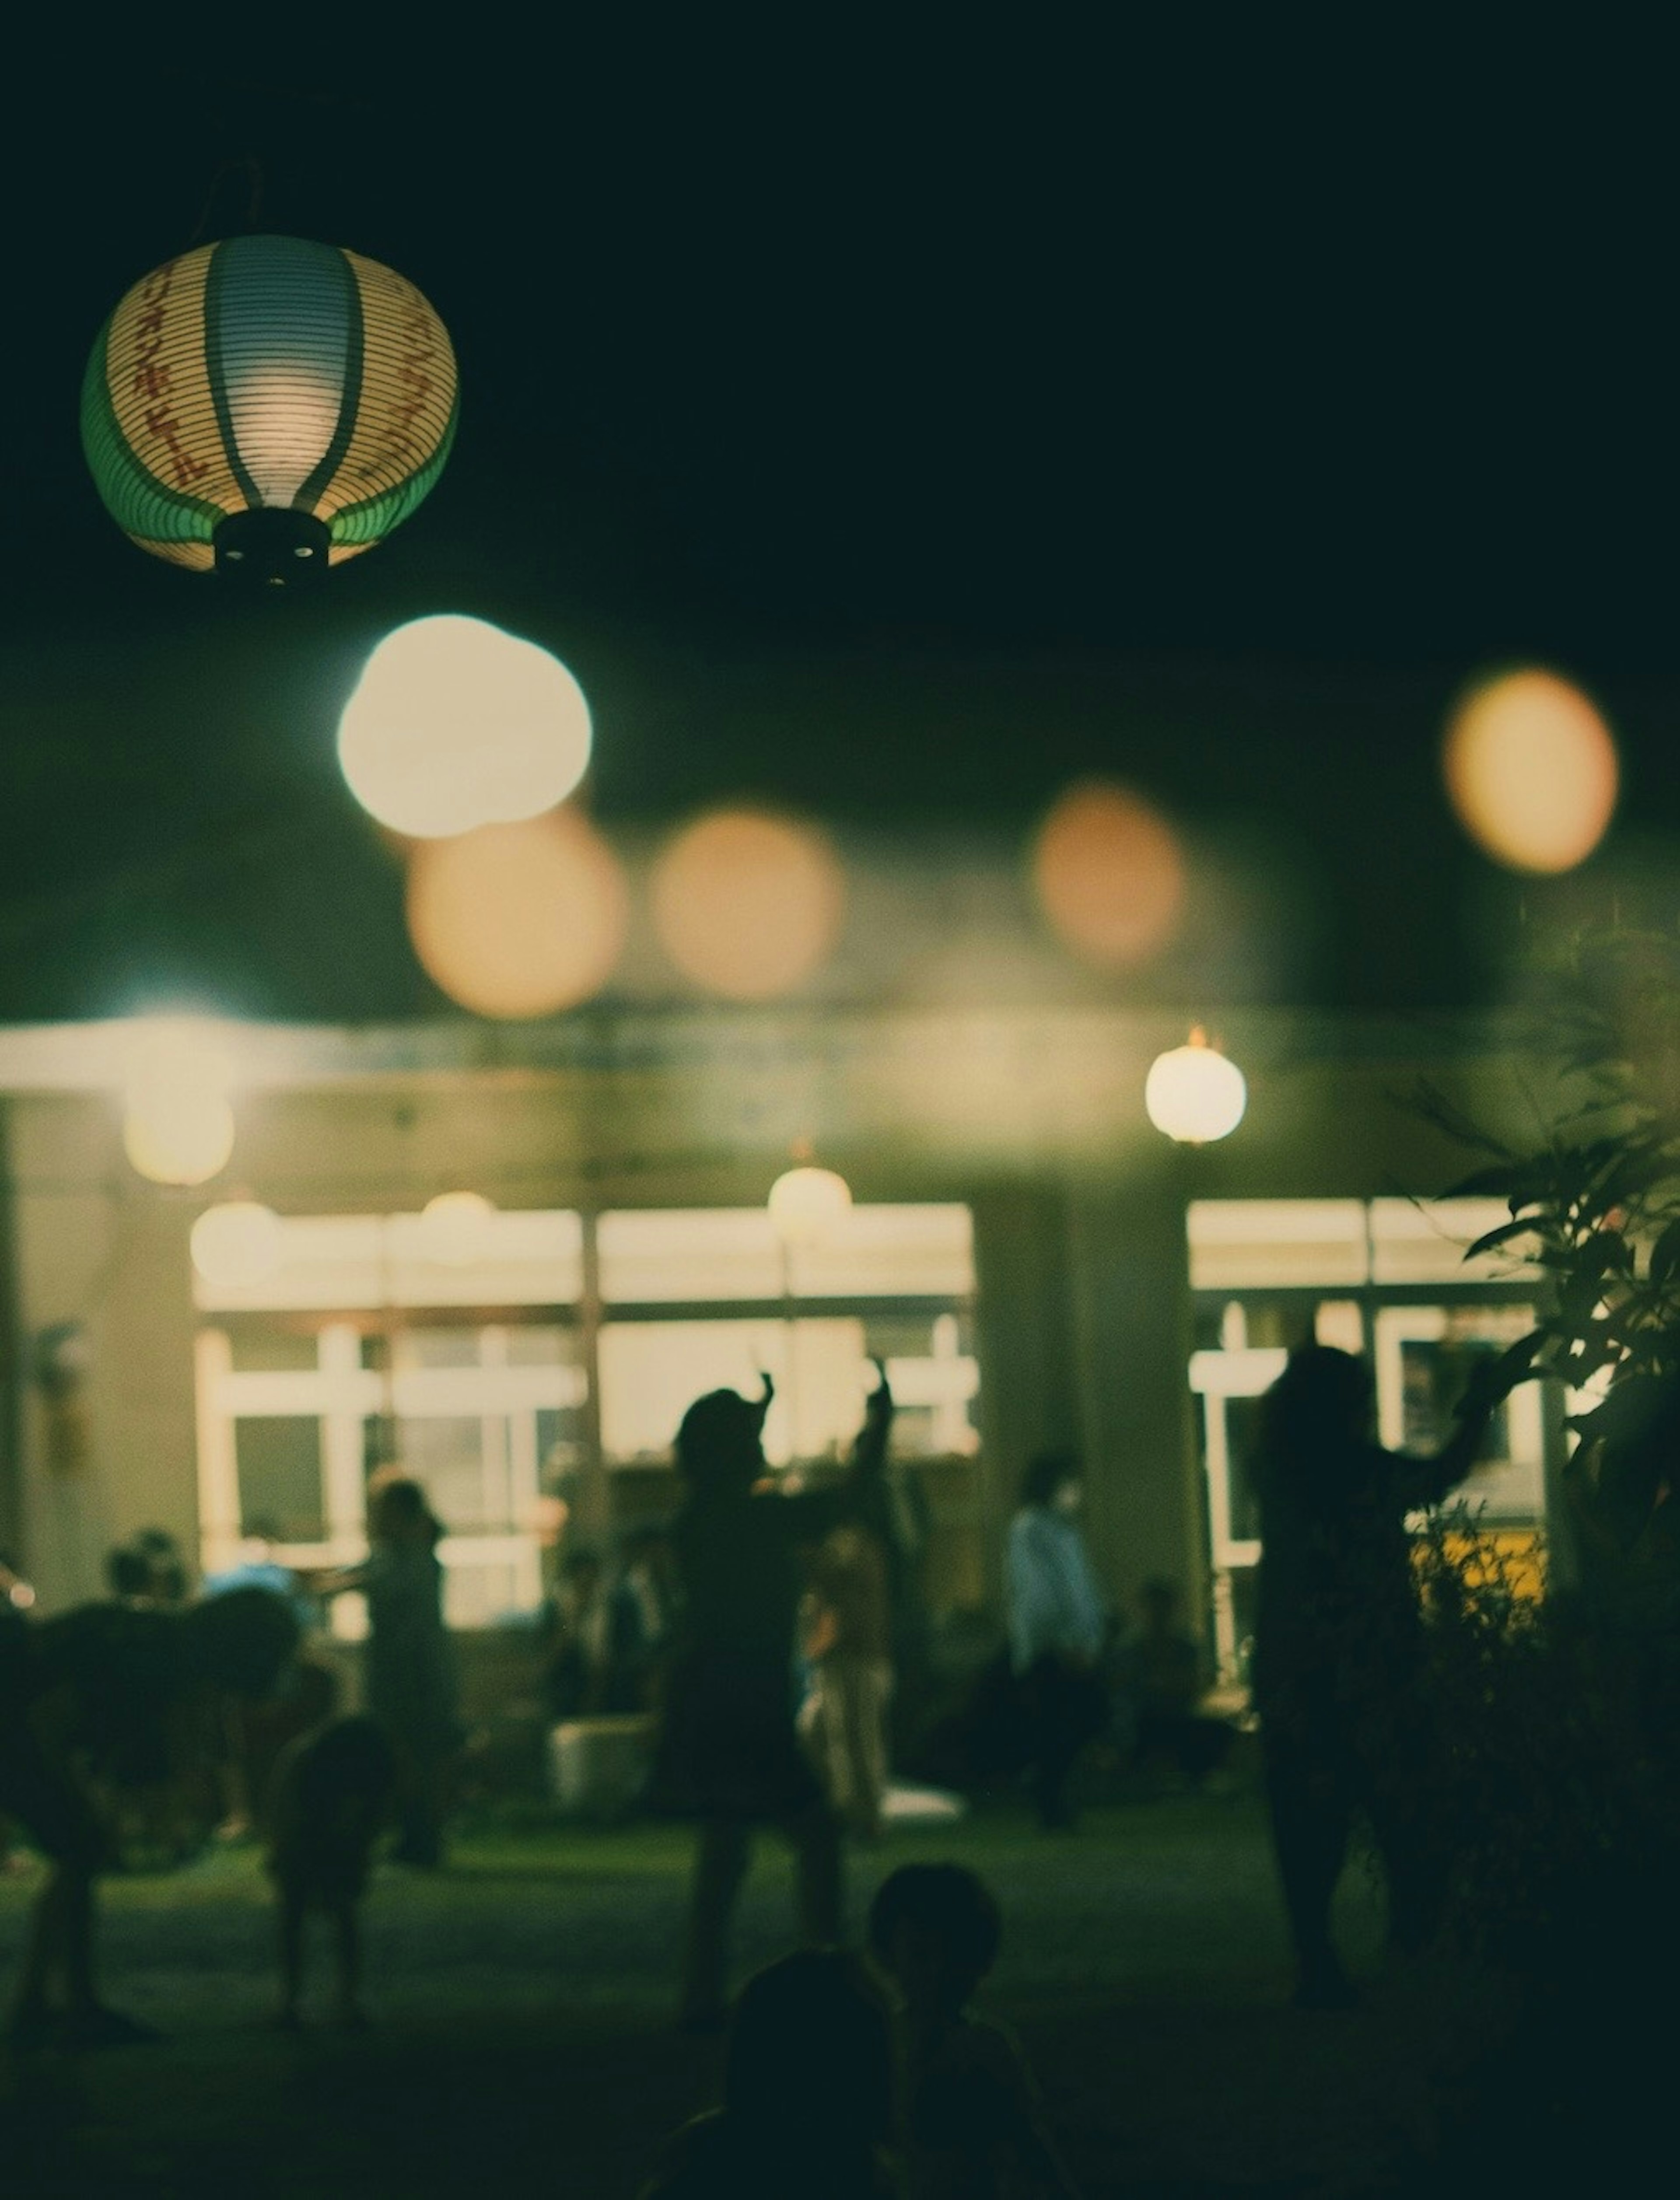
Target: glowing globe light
{"type": "Point", "coordinates": [1531, 771]}
{"type": "Point", "coordinates": [1108, 874]}
{"type": "Point", "coordinates": [518, 920]}
{"type": "Point", "coordinates": [747, 904]}
{"type": "Point", "coordinates": [267, 405]}
{"type": "Point", "coordinates": [177, 1125]}
{"type": "Point", "coordinates": [1194, 1094]}
{"type": "Point", "coordinates": [238, 1243]}
{"type": "Point", "coordinates": [455, 724]}
{"type": "Point", "coordinates": [454, 1227]}
{"type": "Point", "coordinates": [805, 1203]}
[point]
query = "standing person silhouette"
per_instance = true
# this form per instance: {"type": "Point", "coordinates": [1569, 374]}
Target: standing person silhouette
{"type": "Point", "coordinates": [729, 1754]}
{"type": "Point", "coordinates": [101, 1698]}
{"type": "Point", "coordinates": [1058, 1625]}
{"type": "Point", "coordinates": [1338, 1676]}
{"type": "Point", "coordinates": [411, 1689]}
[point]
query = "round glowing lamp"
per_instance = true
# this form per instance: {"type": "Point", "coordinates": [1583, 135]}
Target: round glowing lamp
{"type": "Point", "coordinates": [268, 407]}
{"type": "Point", "coordinates": [453, 1228]}
{"type": "Point", "coordinates": [805, 1203]}
{"type": "Point", "coordinates": [238, 1244]}
{"type": "Point", "coordinates": [455, 724]}
{"type": "Point", "coordinates": [177, 1126]}
{"type": "Point", "coordinates": [1194, 1094]}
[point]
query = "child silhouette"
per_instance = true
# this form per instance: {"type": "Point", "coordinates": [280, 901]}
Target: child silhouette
{"type": "Point", "coordinates": [333, 1790]}
{"type": "Point", "coordinates": [807, 2093]}
{"type": "Point", "coordinates": [969, 2106]}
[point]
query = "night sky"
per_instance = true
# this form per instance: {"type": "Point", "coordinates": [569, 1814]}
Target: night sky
{"type": "Point", "coordinates": [894, 425]}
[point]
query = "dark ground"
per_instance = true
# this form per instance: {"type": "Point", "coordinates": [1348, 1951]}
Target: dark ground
{"type": "Point", "coordinates": [522, 2041]}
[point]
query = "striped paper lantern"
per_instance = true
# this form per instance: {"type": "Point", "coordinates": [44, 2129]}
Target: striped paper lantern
{"type": "Point", "coordinates": [267, 405]}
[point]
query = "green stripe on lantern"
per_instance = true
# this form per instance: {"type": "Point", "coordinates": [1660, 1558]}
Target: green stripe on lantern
{"type": "Point", "coordinates": [143, 505]}
{"type": "Point", "coordinates": [212, 366]}
{"type": "Point", "coordinates": [376, 516]}
{"type": "Point", "coordinates": [309, 493]}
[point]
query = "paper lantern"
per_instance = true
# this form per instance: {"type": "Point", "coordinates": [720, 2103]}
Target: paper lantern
{"type": "Point", "coordinates": [1194, 1094]}
{"type": "Point", "coordinates": [268, 407]}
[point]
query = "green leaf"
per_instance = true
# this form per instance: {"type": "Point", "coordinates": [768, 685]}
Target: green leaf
{"type": "Point", "coordinates": [1492, 1240]}
{"type": "Point", "coordinates": [1666, 1253]}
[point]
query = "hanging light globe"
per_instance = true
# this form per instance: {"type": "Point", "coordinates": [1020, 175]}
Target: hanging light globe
{"type": "Point", "coordinates": [1194, 1094]}
{"type": "Point", "coordinates": [238, 1244]}
{"type": "Point", "coordinates": [454, 1227]}
{"type": "Point", "coordinates": [267, 406]}
{"type": "Point", "coordinates": [805, 1203]}
{"type": "Point", "coordinates": [178, 1122]}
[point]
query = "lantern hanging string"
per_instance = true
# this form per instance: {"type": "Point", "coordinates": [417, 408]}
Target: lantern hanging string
{"type": "Point", "coordinates": [246, 165]}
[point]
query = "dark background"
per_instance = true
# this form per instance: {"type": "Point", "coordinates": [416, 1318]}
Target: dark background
{"type": "Point", "coordinates": [897, 421]}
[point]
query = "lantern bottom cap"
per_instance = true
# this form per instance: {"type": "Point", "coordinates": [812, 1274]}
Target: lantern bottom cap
{"type": "Point", "coordinates": [271, 548]}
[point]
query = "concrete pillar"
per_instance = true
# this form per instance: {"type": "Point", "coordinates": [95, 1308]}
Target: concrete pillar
{"type": "Point", "coordinates": [1030, 1391]}
{"type": "Point", "coordinates": [1134, 1325]}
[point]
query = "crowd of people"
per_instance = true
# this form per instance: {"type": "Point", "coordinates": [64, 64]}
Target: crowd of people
{"type": "Point", "coordinates": [758, 1631]}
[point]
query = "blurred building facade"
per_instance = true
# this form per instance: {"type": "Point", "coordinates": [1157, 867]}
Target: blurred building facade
{"type": "Point", "coordinates": [1038, 1266]}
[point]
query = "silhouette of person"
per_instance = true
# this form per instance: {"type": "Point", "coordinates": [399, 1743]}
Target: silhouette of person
{"type": "Point", "coordinates": [1164, 1676]}
{"type": "Point", "coordinates": [1058, 1625]}
{"type": "Point", "coordinates": [729, 1754]}
{"type": "Point", "coordinates": [332, 1790]}
{"type": "Point", "coordinates": [848, 1642]}
{"type": "Point", "coordinates": [1338, 1647]}
{"type": "Point", "coordinates": [409, 1663]}
{"type": "Point", "coordinates": [599, 1655]}
{"type": "Point", "coordinates": [149, 1568]}
{"type": "Point", "coordinates": [970, 2108]}
{"type": "Point", "coordinates": [807, 2093]}
{"type": "Point", "coordinates": [104, 1697]}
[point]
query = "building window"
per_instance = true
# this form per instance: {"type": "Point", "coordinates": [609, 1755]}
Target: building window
{"type": "Point", "coordinates": [518, 1400]}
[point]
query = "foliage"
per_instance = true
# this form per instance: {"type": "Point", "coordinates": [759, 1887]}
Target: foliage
{"type": "Point", "coordinates": [1596, 1206]}
{"type": "Point", "coordinates": [1555, 1790]}
{"type": "Point", "coordinates": [1559, 1735]}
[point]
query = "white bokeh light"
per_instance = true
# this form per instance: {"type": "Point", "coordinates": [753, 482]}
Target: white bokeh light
{"type": "Point", "coordinates": [455, 724]}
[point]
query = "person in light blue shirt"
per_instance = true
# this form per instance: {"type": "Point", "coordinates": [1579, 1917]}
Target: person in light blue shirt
{"type": "Point", "coordinates": [1058, 1626]}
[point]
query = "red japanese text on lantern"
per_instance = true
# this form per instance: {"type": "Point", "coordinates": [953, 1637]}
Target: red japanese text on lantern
{"type": "Point", "coordinates": [149, 379]}
{"type": "Point", "coordinates": [398, 446]}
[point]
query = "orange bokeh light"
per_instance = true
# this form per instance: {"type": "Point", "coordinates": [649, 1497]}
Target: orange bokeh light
{"type": "Point", "coordinates": [1531, 771]}
{"type": "Point", "coordinates": [1108, 874]}
{"type": "Point", "coordinates": [748, 904]}
{"type": "Point", "coordinates": [521, 920]}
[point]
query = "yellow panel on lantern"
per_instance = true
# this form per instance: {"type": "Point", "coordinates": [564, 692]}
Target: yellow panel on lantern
{"type": "Point", "coordinates": [159, 384]}
{"type": "Point", "coordinates": [408, 395]}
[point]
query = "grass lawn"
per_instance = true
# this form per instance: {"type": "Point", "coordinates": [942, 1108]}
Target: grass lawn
{"type": "Point", "coordinates": [523, 2042]}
